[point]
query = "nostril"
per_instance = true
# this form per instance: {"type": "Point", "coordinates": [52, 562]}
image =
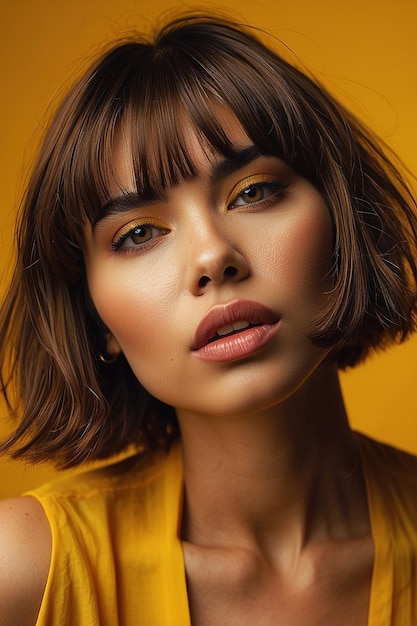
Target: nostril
{"type": "Point", "coordinates": [228, 271]}
{"type": "Point", "coordinates": [203, 281]}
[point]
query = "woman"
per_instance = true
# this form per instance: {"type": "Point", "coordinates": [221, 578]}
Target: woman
{"type": "Point", "coordinates": [207, 238]}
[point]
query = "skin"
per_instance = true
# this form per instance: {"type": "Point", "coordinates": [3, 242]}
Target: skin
{"type": "Point", "coordinates": [164, 300]}
{"type": "Point", "coordinates": [275, 518]}
{"type": "Point", "coordinates": [25, 553]}
{"type": "Point", "coordinates": [275, 523]}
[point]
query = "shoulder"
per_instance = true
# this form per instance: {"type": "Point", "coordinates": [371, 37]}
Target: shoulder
{"type": "Point", "coordinates": [393, 461]}
{"type": "Point", "coordinates": [391, 476]}
{"type": "Point", "coordinates": [25, 554]}
{"type": "Point", "coordinates": [135, 474]}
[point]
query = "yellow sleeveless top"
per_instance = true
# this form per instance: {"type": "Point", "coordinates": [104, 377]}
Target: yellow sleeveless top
{"type": "Point", "coordinates": [117, 557]}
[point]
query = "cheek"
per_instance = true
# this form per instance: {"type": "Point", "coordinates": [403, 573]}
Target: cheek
{"type": "Point", "coordinates": [315, 252]}
{"type": "Point", "coordinates": [134, 309]}
{"type": "Point", "coordinates": [139, 316]}
{"type": "Point", "coordinates": [302, 255]}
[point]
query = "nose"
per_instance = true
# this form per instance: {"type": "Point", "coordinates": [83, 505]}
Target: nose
{"type": "Point", "coordinates": [214, 261]}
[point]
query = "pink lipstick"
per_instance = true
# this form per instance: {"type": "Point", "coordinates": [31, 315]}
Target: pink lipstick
{"type": "Point", "coordinates": [233, 331]}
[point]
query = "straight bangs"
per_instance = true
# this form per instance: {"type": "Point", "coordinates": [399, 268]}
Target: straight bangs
{"type": "Point", "coordinates": [182, 85]}
{"type": "Point", "coordinates": [153, 94]}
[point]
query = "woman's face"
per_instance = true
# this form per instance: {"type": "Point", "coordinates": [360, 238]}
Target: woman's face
{"type": "Point", "coordinates": [212, 291]}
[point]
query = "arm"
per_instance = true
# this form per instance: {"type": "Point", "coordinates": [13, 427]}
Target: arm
{"type": "Point", "coordinates": [25, 554]}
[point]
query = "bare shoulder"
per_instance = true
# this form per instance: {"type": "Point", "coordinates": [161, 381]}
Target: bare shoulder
{"type": "Point", "coordinates": [25, 554]}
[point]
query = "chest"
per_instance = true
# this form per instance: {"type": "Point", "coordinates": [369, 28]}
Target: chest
{"type": "Point", "coordinates": [327, 593]}
{"type": "Point", "coordinates": [269, 609]}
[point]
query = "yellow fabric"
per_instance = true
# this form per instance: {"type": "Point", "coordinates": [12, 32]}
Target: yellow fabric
{"type": "Point", "coordinates": [117, 558]}
{"type": "Point", "coordinates": [391, 478]}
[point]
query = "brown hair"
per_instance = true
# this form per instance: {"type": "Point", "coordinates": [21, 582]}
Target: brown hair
{"type": "Point", "coordinates": [76, 407]}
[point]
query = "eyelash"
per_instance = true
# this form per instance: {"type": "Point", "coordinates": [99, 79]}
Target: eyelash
{"type": "Point", "coordinates": [123, 235]}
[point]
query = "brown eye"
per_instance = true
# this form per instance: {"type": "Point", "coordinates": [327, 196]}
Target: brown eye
{"type": "Point", "coordinates": [141, 234]}
{"type": "Point", "coordinates": [255, 193]}
{"type": "Point", "coordinates": [137, 236]}
{"type": "Point", "coordinates": [258, 192]}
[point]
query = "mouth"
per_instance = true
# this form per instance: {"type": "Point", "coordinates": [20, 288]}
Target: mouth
{"type": "Point", "coordinates": [231, 329]}
{"type": "Point", "coordinates": [233, 318]}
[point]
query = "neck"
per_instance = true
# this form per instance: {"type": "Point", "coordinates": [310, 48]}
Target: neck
{"type": "Point", "coordinates": [290, 471]}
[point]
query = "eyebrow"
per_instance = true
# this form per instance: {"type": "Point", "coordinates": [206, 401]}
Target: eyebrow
{"type": "Point", "coordinates": [121, 204]}
{"type": "Point", "coordinates": [229, 165]}
{"type": "Point", "coordinates": [133, 200]}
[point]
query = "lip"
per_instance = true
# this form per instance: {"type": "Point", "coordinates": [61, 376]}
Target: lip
{"type": "Point", "coordinates": [263, 323]}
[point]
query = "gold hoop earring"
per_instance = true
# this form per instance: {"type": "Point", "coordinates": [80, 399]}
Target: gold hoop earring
{"type": "Point", "coordinates": [108, 360]}
{"type": "Point", "coordinates": [112, 352]}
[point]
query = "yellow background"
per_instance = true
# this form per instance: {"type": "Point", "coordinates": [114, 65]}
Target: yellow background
{"type": "Point", "coordinates": [364, 50]}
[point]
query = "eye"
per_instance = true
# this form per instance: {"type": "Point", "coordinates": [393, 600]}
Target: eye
{"type": "Point", "coordinates": [136, 236]}
{"type": "Point", "coordinates": [256, 192]}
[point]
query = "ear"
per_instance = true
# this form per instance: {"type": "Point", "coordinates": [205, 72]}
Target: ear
{"type": "Point", "coordinates": [112, 345]}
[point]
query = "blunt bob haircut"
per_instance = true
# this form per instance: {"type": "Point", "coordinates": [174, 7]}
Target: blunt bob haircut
{"type": "Point", "coordinates": [74, 407]}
